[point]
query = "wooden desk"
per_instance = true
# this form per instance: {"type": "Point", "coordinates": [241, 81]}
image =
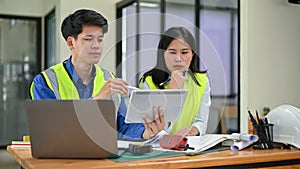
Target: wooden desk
{"type": "Point", "coordinates": [244, 158]}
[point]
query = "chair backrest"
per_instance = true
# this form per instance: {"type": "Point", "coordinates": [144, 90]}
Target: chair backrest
{"type": "Point", "coordinates": [227, 112]}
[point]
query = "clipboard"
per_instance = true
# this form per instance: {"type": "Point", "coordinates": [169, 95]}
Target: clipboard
{"type": "Point", "coordinates": [142, 102]}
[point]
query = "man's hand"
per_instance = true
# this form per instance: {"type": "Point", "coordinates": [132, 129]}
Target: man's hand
{"type": "Point", "coordinates": [113, 86]}
{"type": "Point", "coordinates": [188, 131]}
{"type": "Point", "coordinates": [153, 127]}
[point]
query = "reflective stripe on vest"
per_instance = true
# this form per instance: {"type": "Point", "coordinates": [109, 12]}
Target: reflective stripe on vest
{"type": "Point", "coordinates": [63, 86]}
{"type": "Point", "coordinates": [192, 102]}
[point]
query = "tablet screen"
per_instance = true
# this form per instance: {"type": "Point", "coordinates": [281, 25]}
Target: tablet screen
{"type": "Point", "coordinates": [142, 101]}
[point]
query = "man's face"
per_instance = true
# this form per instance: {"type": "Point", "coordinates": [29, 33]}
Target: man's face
{"type": "Point", "coordinates": [87, 48]}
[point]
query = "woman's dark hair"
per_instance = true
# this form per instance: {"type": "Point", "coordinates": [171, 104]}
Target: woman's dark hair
{"type": "Point", "coordinates": [72, 25]}
{"type": "Point", "coordinates": [160, 72]}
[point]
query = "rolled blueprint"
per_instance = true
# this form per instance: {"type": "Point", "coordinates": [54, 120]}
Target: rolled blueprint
{"type": "Point", "coordinates": [240, 145]}
{"type": "Point", "coordinates": [244, 137]}
{"type": "Point", "coordinates": [242, 140]}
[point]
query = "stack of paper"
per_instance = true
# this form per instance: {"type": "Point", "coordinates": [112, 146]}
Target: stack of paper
{"type": "Point", "coordinates": [20, 144]}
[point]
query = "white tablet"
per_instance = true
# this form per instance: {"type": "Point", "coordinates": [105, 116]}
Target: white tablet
{"type": "Point", "coordinates": [142, 101]}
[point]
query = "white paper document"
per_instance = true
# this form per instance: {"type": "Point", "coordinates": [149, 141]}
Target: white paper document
{"type": "Point", "coordinates": [207, 141]}
{"type": "Point", "coordinates": [202, 143]}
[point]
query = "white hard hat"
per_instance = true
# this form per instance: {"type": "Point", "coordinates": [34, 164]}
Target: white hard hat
{"type": "Point", "coordinates": [286, 120]}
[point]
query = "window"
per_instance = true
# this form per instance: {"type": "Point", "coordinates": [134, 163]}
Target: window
{"type": "Point", "coordinates": [214, 24]}
{"type": "Point", "coordinates": [20, 39]}
{"type": "Point", "coordinates": [50, 48]}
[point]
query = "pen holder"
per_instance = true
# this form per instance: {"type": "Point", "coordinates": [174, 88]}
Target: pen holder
{"type": "Point", "coordinates": [265, 134]}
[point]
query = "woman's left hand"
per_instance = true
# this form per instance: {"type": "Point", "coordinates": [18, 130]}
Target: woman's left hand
{"type": "Point", "coordinates": [177, 80]}
{"type": "Point", "coordinates": [188, 131]}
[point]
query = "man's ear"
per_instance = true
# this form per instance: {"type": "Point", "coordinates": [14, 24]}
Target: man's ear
{"type": "Point", "coordinates": [70, 42]}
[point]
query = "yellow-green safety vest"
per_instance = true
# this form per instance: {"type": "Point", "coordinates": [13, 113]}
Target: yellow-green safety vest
{"type": "Point", "coordinates": [63, 86]}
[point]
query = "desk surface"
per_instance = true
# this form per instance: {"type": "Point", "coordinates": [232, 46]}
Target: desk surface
{"type": "Point", "coordinates": [221, 158]}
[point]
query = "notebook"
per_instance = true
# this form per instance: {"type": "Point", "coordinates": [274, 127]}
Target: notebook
{"type": "Point", "coordinates": [142, 102]}
{"type": "Point", "coordinates": [72, 128]}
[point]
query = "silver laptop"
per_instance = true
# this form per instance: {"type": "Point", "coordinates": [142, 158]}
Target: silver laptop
{"type": "Point", "coordinates": [72, 128]}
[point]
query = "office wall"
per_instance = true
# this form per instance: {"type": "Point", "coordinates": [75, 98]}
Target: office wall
{"type": "Point", "coordinates": [32, 8]}
{"type": "Point", "coordinates": [270, 51]}
{"type": "Point", "coordinates": [270, 55]}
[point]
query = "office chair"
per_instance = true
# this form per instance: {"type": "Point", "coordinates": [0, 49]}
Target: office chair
{"type": "Point", "coordinates": [228, 113]}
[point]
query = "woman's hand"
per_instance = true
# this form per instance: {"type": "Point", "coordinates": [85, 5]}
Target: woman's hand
{"type": "Point", "coordinates": [188, 131]}
{"type": "Point", "coordinates": [113, 86]}
{"type": "Point", "coordinates": [177, 80]}
{"type": "Point", "coordinates": [154, 127]}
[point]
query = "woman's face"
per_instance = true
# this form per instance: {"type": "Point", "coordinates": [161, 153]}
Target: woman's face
{"type": "Point", "coordinates": [178, 55]}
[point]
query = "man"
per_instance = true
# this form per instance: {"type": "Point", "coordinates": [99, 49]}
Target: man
{"type": "Point", "coordinates": [79, 77]}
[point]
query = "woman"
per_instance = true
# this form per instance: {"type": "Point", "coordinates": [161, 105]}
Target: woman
{"type": "Point", "coordinates": [176, 68]}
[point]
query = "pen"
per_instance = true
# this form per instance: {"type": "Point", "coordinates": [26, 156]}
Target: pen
{"type": "Point", "coordinates": [268, 133]}
{"type": "Point", "coordinates": [257, 128]}
{"type": "Point", "coordinates": [257, 116]}
{"type": "Point", "coordinates": [165, 82]}
{"type": "Point", "coordinates": [252, 118]}
{"type": "Point", "coordinates": [169, 78]}
{"type": "Point", "coordinates": [133, 88]}
{"type": "Point", "coordinates": [130, 89]}
{"type": "Point", "coordinates": [255, 125]}
{"type": "Point", "coordinates": [263, 131]}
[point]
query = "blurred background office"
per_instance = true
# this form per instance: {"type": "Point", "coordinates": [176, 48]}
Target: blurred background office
{"type": "Point", "coordinates": [250, 48]}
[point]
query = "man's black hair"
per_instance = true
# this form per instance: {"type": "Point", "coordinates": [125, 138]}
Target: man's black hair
{"type": "Point", "coordinates": [72, 25]}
